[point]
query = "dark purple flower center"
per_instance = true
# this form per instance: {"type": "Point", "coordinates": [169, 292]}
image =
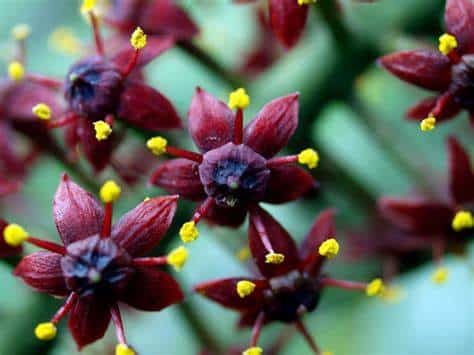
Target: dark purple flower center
{"type": "Point", "coordinates": [96, 266]}
{"type": "Point", "coordinates": [290, 296]}
{"type": "Point", "coordinates": [234, 175]}
{"type": "Point", "coordinates": [93, 87]}
{"type": "Point", "coordinates": [463, 82]}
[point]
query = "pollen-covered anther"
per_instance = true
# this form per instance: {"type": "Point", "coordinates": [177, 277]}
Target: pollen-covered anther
{"type": "Point", "coordinates": [243, 254]}
{"type": "Point", "coordinates": [254, 350]}
{"type": "Point", "coordinates": [239, 99]}
{"type": "Point", "coordinates": [88, 6]}
{"type": "Point", "coordinates": [440, 276]}
{"type": "Point", "coordinates": [428, 124]}
{"type": "Point", "coordinates": [42, 111]}
{"type": "Point", "coordinates": [157, 145]}
{"type": "Point", "coordinates": [245, 288]}
{"type": "Point", "coordinates": [110, 191]}
{"type": "Point", "coordinates": [306, 2]}
{"type": "Point", "coordinates": [462, 220]}
{"type": "Point", "coordinates": [274, 258]}
{"type": "Point", "coordinates": [21, 32]}
{"type": "Point", "coordinates": [309, 157]}
{"type": "Point", "coordinates": [178, 257]}
{"type": "Point", "coordinates": [329, 248]}
{"type": "Point", "coordinates": [375, 288]}
{"type": "Point", "coordinates": [63, 40]}
{"type": "Point", "coordinates": [138, 38]}
{"type": "Point", "coordinates": [447, 43]}
{"type": "Point", "coordinates": [14, 235]}
{"type": "Point", "coordinates": [46, 331]}
{"type": "Point", "coordinates": [16, 71]}
{"type": "Point", "coordinates": [102, 130]}
{"type": "Point", "coordinates": [124, 349]}
{"type": "Point", "coordinates": [189, 232]}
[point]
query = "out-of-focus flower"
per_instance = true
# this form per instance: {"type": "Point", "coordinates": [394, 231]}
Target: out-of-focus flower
{"type": "Point", "coordinates": [287, 290]}
{"type": "Point", "coordinates": [99, 264]}
{"type": "Point", "coordinates": [236, 168]}
{"type": "Point", "coordinates": [448, 71]}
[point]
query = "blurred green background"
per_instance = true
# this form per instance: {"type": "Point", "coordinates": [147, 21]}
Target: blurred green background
{"type": "Point", "coordinates": [351, 111]}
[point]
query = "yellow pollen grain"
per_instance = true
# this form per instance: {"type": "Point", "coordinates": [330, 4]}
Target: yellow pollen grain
{"type": "Point", "coordinates": [46, 331]}
{"type": "Point", "coordinates": [88, 5]}
{"type": "Point", "coordinates": [447, 43]}
{"type": "Point", "coordinates": [254, 350]}
{"type": "Point", "coordinates": [274, 258]}
{"type": "Point", "coordinates": [375, 288]}
{"type": "Point", "coordinates": [178, 257]}
{"type": "Point", "coordinates": [309, 157]}
{"type": "Point", "coordinates": [138, 39]}
{"type": "Point", "coordinates": [63, 40]}
{"type": "Point", "coordinates": [306, 2]}
{"type": "Point", "coordinates": [102, 130]}
{"type": "Point", "coordinates": [16, 71]}
{"type": "Point", "coordinates": [189, 232]}
{"type": "Point", "coordinates": [428, 124]}
{"type": "Point", "coordinates": [157, 145]}
{"type": "Point", "coordinates": [238, 99]}
{"type": "Point", "coordinates": [462, 220]}
{"type": "Point", "coordinates": [21, 32]}
{"type": "Point", "coordinates": [329, 248]}
{"type": "Point", "coordinates": [110, 191]}
{"type": "Point", "coordinates": [245, 288]}
{"type": "Point", "coordinates": [14, 235]}
{"type": "Point", "coordinates": [123, 349]}
{"type": "Point", "coordinates": [42, 111]}
{"type": "Point", "coordinates": [327, 353]}
{"type": "Point", "coordinates": [440, 276]}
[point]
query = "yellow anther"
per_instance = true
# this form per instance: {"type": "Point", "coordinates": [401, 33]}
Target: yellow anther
{"type": "Point", "coordinates": [63, 40]}
{"type": "Point", "coordinates": [138, 38]}
{"type": "Point", "coordinates": [238, 99]}
{"type": "Point", "coordinates": [274, 258]}
{"type": "Point", "coordinates": [306, 2]}
{"type": "Point", "coordinates": [447, 43]}
{"type": "Point", "coordinates": [462, 220]}
{"type": "Point", "coordinates": [245, 288]}
{"type": "Point", "coordinates": [123, 349]}
{"type": "Point", "coordinates": [329, 248]}
{"type": "Point", "coordinates": [327, 353]}
{"type": "Point", "coordinates": [440, 276]}
{"type": "Point", "coordinates": [189, 232]}
{"type": "Point", "coordinates": [21, 32]}
{"type": "Point", "coordinates": [146, 199]}
{"type": "Point", "coordinates": [110, 191]}
{"type": "Point", "coordinates": [16, 71]}
{"type": "Point", "coordinates": [428, 124]}
{"type": "Point", "coordinates": [157, 145]}
{"type": "Point", "coordinates": [46, 331]}
{"type": "Point", "coordinates": [42, 111]}
{"type": "Point", "coordinates": [88, 5]}
{"type": "Point", "coordinates": [254, 350]}
{"type": "Point", "coordinates": [375, 288]}
{"type": "Point", "coordinates": [309, 157]}
{"type": "Point", "coordinates": [392, 294]}
{"type": "Point", "coordinates": [102, 130]}
{"type": "Point", "coordinates": [178, 257]}
{"type": "Point", "coordinates": [14, 235]}
{"type": "Point", "coordinates": [243, 254]}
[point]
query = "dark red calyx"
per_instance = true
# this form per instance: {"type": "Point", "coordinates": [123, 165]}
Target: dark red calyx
{"type": "Point", "coordinates": [93, 87]}
{"type": "Point", "coordinates": [462, 84]}
{"type": "Point", "coordinates": [290, 296]}
{"type": "Point", "coordinates": [96, 266]}
{"type": "Point", "coordinates": [234, 175]}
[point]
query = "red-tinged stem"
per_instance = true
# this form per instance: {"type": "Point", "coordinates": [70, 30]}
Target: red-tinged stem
{"type": "Point", "coordinates": [47, 245]}
{"type": "Point", "coordinates": [202, 209]}
{"type": "Point", "coordinates": [110, 119]}
{"type": "Point", "coordinates": [186, 154]}
{"type": "Point", "coordinates": [257, 329]}
{"type": "Point", "coordinates": [107, 226]}
{"type": "Point", "coordinates": [239, 126]}
{"type": "Point", "coordinates": [302, 329]}
{"type": "Point", "coordinates": [99, 44]}
{"type": "Point", "coordinates": [348, 285]}
{"type": "Point", "coordinates": [65, 308]}
{"type": "Point", "coordinates": [438, 250]}
{"type": "Point", "coordinates": [151, 261]}
{"type": "Point", "coordinates": [133, 62]}
{"type": "Point", "coordinates": [256, 219]}
{"type": "Point", "coordinates": [63, 121]}
{"type": "Point", "coordinates": [279, 161]}
{"type": "Point", "coordinates": [44, 80]}
{"type": "Point", "coordinates": [117, 319]}
{"type": "Point", "coordinates": [441, 104]}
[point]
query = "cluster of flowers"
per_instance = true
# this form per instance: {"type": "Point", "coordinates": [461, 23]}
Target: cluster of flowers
{"type": "Point", "coordinates": [99, 264]}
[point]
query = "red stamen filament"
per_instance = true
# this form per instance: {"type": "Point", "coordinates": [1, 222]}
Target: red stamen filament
{"type": "Point", "coordinates": [151, 261]}
{"type": "Point", "coordinates": [348, 285]}
{"type": "Point", "coordinates": [63, 121]}
{"type": "Point", "coordinates": [302, 329]}
{"type": "Point", "coordinates": [107, 226]}
{"type": "Point", "coordinates": [65, 308]}
{"type": "Point", "coordinates": [441, 104]}
{"type": "Point", "coordinates": [239, 126]}
{"type": "Point", "coordinates": [132, 64]}
{"type": "Point", "coordinates": [274, 162]}
{"type": "Point", "coordinates": [44, 80]}
{"type": "Point", "coordinates": [257, 328]}
{"type": "Point", "coordinates": [202, 209]}
{"type": "Point", "coordinates": [99, 45]}
{"type": "Point", "coordinates": [47, 245]}
{"type": "Point", "coordinates": [110, 119]}
{"type": "Point", "coordinates": [186, 154]}
{"type": "Point", "coordinates": [117, 319]}
{"type": "Point", "coordinates": [256, 219]}
{"type": "Point", "coordinates": [438, 250]}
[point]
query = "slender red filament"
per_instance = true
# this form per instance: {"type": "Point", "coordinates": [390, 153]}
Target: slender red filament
{"type": "Point", "coordinates": [186, 154]}
{"type": "Point", "coordinates": [348, 285]}
{"type": "Point", "coordinates": [274, 162]}
{"type": "Point", "coordinates": [203, 209]}
{"type": "Point", "coordinates": [132, 64]}
{"type": "Point", "coordinates": [63, 121]}
{"type": "Point", "coordinates": [45, 81]}
{"type": "Point", "coordinates": [107, 226]}
{"type": "Point", "coordinates": [22, 52]}
{"type": "Point", "coordinates": [239, 126]}
{"type": "Point", "coordinates": [438, 250]}
{"type": "Point", "coordinates": [99, 44]}
{"type": "Point", "coordinates": [302, 329]}
{"type": "Point", "coordinates": [117, 319]}
{"type": "Point", "coordinates": [256, 219]}
{"type": "Point", "coordinates": [151, 261]}
{"type": "Point", "coordinates": [65, 308]}
{"type": "Point", "coordinates": [110, 119]}
{"type": "Point", "coordinates": [47, 245]}
{"type": "Point", "coordinates": [257, 329]}
{"type": "Point", "coordinates": [441, 104]}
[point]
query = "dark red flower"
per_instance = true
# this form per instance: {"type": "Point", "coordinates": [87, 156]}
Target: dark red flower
{"type": "Point", "coordinates": [100, 264]}
{"type": "Point", "coordinates": [236, 168]}
{"type": "Point", "coordinates": [285, 291]}
{"type": "Point", "coordinates": [449, 71]}
{"type": "Point", "coordinates": [5, 249]}
{"type": "Point", "coordinates": [446, 222]}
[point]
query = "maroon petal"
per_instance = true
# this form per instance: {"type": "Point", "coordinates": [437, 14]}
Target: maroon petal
{"type": "Point", "coordinates": [280, 240]}
{"type": "Point", "coordinates": [5, 249]}
{"type": "Point", "coordinates": [461, 182]}
{"type": "Point", "coordinates": [226, 216]}
{"type": "Point", "coordinates": [146, 108]}
{"type": "Point", "coordinates": [141, 229]}
{"type": "Point", "coordinates": [9, 187]}
{"type": "Point", "coordinates": [425, 68]}
{"type": "Point", "coordinates": [11, 162]}
{"type": "Point", "coordinates": [89, 320]}
{"type": "Point", "coordinates": [179, 176]}
{"type": "Point", "coordinates": [152, 290]}
{"type": "Point", "coordinates": [42, 271]}
{"type": "Point", "coordinates": [274, 125]}
{"type": "Point", "coordinates": [416, 215]}
{"type": "Point", "coordinates": [224, 292]}
{"type": "Point", "coordinates": [288, 19]}
{"type": "Point", "coordinates": [288, 183]}
{"type": "Point", "coordinates": [459, 18]}
{"type": "Point", "coordinates": [211, 122]}
{"type": "Point", "coordinates": [323, 228]}
{"type": "Point", "coordinates": [77, 213]}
